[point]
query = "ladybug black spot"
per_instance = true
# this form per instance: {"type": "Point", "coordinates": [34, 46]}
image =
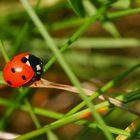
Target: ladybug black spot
{"type": "Point", "coordinates": [24, 59]}
{"type": "Point", "coordinates": [13, 70]}
{"type": "Point", "coordinates": [23, 77]}
{"type": "Point", "coordinates": [9, 82]}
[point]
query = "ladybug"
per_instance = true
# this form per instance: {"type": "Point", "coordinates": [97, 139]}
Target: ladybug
{"type": "Point", "coordinates": [22, 69]}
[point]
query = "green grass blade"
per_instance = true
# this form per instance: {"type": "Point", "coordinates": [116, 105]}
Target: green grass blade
{"type": "Point", "coordinates": [10, 109]}
{"type": "Point", "coordinates": [19, 39]}
{"type": "Point", "coordinates": [106, 87]}
{"type": "Point", "coordinates": [49, 41]}
{"type": "Point", "coordinates": [107, 25]}
{"type": "Point", "coordinates": [129, 11]}
{"type": "Point", "coordinates": [78, 7]}
{"type": "Point", "coordinates": [23, 32]}
{"type": "Point", "coordinates": [32, 114]}
{"type": "Point", "coordinates": [3, 50]}
{"type": "Point", "coordinates": [51, 136]}
{"type": "Point", "coordinates": [85, 26]}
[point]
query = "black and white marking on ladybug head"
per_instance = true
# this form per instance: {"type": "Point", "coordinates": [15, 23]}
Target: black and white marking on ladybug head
{"type": "Point", "coordinates": [28, 63]}
{"type": "Point", "coordinates": [26, 60]}
{"type": "Point", "coordinates": [35, 63]}
{"type": "Point", "coordinates": [38, 67]}
{"type": "Point", "coordinates": [27, 56]}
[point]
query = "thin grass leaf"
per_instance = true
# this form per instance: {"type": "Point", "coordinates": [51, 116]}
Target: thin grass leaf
{"type": "Point", "coordinates": [17, 98]}
{"type": "Point", "coordinates": [23, 32]}
{"type": "Point", "coordinates": [71, 22]}
{"type": "Point", "coordinates": [42, 83]}
{"type": "Point", "coordinates": [63, 121]}
{"type": "Point", "coordinates": [19, 39]}
{"type": "Point", "coordinates": [51, 136]}
{"type": "Point", "coordinates": [9, 110]}
{"type": "Point", "coordinates": [85, 26]}
{"type": "Point", "coordinates": [32, 114]}
{"type": "Point", "coordinates": [7, 135]}
{"type": "Point", "coordinates": [107, 25]}
{"type": "Point", "coordinates": [58, 124]}
{"type": "Point", "coordinates": [1, 78]}
{"type": "Point", "coordinates": [49, 41]}
{"type": "Point", "coordinates": [99, 61]}
{"type": "Point", "coordinates": [133, 129]}
{"type": "Point", "coordinates": [77, 7]}
{"type": "Point", "coordinates": [125, 98]}
{"type": "Point", "coordinates": [89, 7]}
{"type": "Point", "coordinates": [3, 50]}
{"type": "Point", "coordinates": [103, 43]}
{"type": "Point", "coordinates": [114, 130]}
{"type": "Point", "coordinates": [104, 88]}
{"type": "Point", "coordinates": [129, 11]}
{"type": "Point", "coordinates": [122, 4]}
{"type": "Point", "coordinates": [122, 96]}
{"type": "Point", "coordinates": [35, 119]}
{"type": "Point", "coordinates": [111, 28]}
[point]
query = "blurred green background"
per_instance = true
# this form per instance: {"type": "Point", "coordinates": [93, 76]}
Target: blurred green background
{"type": "Point", "coordinates": [106, 49]}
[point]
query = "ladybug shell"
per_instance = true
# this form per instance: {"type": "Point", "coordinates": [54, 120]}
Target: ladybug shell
{"type": "Point", "coordinates": [16, 73]}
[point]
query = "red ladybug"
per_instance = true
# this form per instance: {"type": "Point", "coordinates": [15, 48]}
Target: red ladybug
{"type": "Point", "coordinates": [22, 69]}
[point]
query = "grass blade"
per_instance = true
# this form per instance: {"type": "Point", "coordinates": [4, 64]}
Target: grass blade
{"type": "Point", "coordinates": [49, 41]}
